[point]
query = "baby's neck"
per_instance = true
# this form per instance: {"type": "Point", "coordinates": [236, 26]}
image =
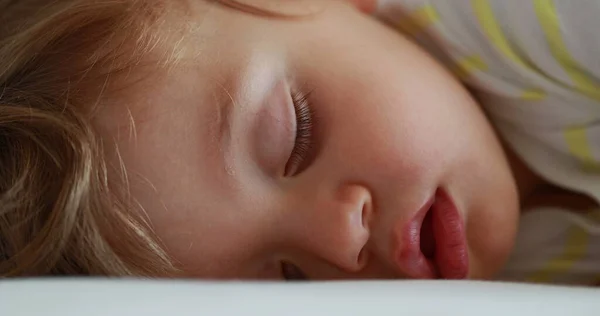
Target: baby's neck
{"type": "Point", "coordinates": [552, 196]}
{"type": "Point", "coordinates": [535, 192]}
{"type": "Point", "coordinates": [527, 181]}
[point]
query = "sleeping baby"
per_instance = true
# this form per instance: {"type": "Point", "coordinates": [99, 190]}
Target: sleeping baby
{"type": "Point", "coordinates": [301, 139]}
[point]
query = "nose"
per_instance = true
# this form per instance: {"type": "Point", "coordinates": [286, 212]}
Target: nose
{"type": "Point", "coordinates": [336, 227]}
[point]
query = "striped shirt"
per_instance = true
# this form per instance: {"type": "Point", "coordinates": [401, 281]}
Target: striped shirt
{"type": "Point", "coordinates": [534, 65]}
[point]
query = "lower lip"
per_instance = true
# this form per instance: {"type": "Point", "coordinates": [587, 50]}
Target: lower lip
{"type": "Point", "coordinates": [451, 253]}
{"type": "Point", "coordinates": [451, 258]}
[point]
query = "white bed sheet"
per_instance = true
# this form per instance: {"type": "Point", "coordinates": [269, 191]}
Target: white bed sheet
{"type": "Point", "coordinates": [127, 297]}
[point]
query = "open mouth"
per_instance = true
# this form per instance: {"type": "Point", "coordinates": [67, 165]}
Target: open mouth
{"type": "Point", "coordinates": [427, 237]}
{"type": "Point", "coordinates": [433, 244]}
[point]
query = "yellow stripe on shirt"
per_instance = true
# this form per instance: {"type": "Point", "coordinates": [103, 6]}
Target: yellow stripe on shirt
{"type": "Point", "coordinates": [576, 248]}
{"type": "Point", "coordinates": [491, 28]}
{"type": "Point", "coordinates": [594, 215]}
{"type": "Point", "coordinates": [533, 94]}
{"type": "Point", "coordinates": [419, 20]}
{"type": "Point", "coordinates": [466, 66]}
{"type": "Point", "coordinates": [579, 146]}
{"type": "Point", "coordinates": [549, 20]}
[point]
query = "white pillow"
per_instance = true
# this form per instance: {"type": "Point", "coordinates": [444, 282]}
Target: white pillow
{"type": "Point", "coordinates": [63, 297]}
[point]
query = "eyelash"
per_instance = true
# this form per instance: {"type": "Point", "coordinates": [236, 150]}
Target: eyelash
{"type": "Point", "coordinates": [304, 134]}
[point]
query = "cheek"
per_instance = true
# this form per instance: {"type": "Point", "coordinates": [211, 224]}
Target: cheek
{"type": "Point", "coordinates": [392, 134]}
{"type": "Point", "coordinates": [207, 241]}
{"type": "Point", "coordinates": [393, 124]}
{"type": "Point", "coordinates": [491, 233]}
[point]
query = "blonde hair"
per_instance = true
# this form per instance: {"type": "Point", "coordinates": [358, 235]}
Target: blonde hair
{"type": "Point", "coordinates": [58, 210]}
{"type": "Point", "coordinates": [59, 213]}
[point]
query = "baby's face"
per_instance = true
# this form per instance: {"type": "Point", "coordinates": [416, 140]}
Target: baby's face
{"type": "Point", "coordinates": [318, 142]}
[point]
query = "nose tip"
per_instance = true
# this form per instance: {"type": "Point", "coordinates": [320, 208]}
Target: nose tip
{"type": "Point", "coordinates": [359, 206]}
{"type": "Point", "coordinates": [335, 228]}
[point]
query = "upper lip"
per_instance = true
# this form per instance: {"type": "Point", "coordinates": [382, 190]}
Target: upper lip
{"type": "Point", "coordinates": [450, 258]}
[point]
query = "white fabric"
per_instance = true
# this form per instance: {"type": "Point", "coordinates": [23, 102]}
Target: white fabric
{"type": "Point", "coordinates": [129, 298]}
{"type": "Point", "coordinates": [556, 246]}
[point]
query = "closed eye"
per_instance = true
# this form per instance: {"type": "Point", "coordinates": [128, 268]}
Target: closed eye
{"type": "Point", "coordinates": [304, 135]}
{"type": "Point", "coordinates": [292, 272]}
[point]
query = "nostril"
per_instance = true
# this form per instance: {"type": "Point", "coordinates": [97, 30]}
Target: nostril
{"type": "Point", "coordinates": [363, 258]}
{"type": "Point", "coordinates": [367, 218]}
{"type": "Point", "coordinates": [367, 214]}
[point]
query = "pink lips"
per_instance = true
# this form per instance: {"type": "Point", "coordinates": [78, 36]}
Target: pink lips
{"type": "Point", "coordinates": [444, 237]}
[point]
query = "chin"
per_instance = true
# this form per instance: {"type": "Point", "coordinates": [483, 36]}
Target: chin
{"type": "Point", "coordinates": [492, 229]}
{"type": "Point", "coordinates": [489, 261]}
